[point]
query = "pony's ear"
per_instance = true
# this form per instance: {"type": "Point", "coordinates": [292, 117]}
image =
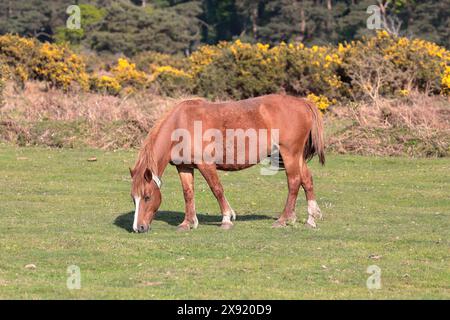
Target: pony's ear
{"type": "Point", "coordinates": [131, 172]}
{"type": "Point", "coordinates": [148, 175]}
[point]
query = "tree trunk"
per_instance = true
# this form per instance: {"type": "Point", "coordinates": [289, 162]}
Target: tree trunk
{"type": "Point", "coordinates": [254, 17]}
{"type": "Point", "coordinates": [9, 10]}
{"type": "Point", "coordinates": [329, 17]}
{"type": "Point", "coordinates": [302, 23]}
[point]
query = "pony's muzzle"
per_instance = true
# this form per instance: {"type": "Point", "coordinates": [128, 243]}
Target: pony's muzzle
{"type": "Point", "coordinates": [143, 228]}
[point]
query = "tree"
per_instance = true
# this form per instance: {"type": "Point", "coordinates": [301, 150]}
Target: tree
{"type": "Point", "coordinates": [90, 17]}
{"type": "Point", "coordinates": [129, 29]}
{"type": "Point", "coordinates": [249, 11]}
{"type": "Point", "coordinates": [27, 18]}
{"type": "Point", "coordinates": [222, 19]}
{"type": "Point", "coordinates": [175, 26]}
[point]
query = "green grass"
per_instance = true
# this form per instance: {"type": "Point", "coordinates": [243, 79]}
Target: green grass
{"type": "Point", "coordinates": [57, 209]}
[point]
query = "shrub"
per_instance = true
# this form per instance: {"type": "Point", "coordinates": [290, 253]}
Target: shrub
{"type": "Point", "coordinates": [171, 81]}
{"type": "Point", "coordinates": [105, 84]}
{"type": "Point", "coordinates": [149, 61]}
{"type": "Point", "coordinates": [313, 70]}
{"type": "Point", "coordinates": [17, 55]}
{"type": "Point", "coordinates": [383, 65]}
{"type": "Point", "coordinates": [127, 75]}
{"type": "Point", "coordinates": [203, 57]}
{"type": "Point", "coordinates": [371, 68]}
{"type": "Point", "coordinates": [389, 66]}
{"type": "Point", "coordinates": [60, 67]}
{"type": "Point", "coordinates": [240, 70]}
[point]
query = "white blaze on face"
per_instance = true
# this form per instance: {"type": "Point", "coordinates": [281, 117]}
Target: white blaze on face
{"type": "Point", "coordinates": [136, 213]}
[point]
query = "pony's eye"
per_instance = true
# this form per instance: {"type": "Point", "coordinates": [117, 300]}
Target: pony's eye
{"type": "Point", "coordinates": [146, 198]}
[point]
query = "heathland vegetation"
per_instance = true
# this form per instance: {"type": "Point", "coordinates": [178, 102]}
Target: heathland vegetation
{"type": "Point", "coordinates": [380, 66]}
{"type": "Point", "coordinates": [378, 87]}
{"type": "Point", "coordinates": [382, 93]}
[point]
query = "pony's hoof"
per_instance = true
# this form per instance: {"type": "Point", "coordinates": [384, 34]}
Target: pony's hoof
{"type": "Point", "coordinates": [183, 227]}
{"type": "Point", "coordinates": [318, 215]}
{"type": "Point", "coordinates": [310, 223]}
{"type": "Point", "coordinates": [314, 210]}
{"type": "Point", "coordinates": [226, 226]}
{"type": "Point", "coordinates": [279, 224]}
{"type": "Point", "coordinates": [291, 221]}
{"type": "Point", "coordinates": [195, 223]}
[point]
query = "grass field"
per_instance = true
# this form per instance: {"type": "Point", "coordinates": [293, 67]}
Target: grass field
{"type": "Point", "coordinates": [58, 209]}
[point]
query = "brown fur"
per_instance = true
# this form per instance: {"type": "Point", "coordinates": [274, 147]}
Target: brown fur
{"type": "Point", "coordinates": [300, 138]}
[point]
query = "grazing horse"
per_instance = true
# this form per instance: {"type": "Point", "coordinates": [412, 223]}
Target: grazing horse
{"type": "Point", "coordinates": [294, 122]}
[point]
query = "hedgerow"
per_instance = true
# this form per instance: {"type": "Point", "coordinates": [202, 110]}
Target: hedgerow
{"type": "Point", "coordinates": [381, 66]}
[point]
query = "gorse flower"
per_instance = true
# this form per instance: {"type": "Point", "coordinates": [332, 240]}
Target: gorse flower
{"type": "Point", "coordinates": [321, 102]}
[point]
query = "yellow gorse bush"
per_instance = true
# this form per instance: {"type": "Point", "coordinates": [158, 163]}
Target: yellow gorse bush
{"type": "Point", "coordinates": [16, 55]}
{"type": "Point", "coordinates": [170, 71]}
{"type": "Point", "coordinates": [204, 56]}
{"type": "Point", "coordinates": [242, 70]}
{"type": "Point", "coordinates": [315, 70]}
{"type": "Point", "coordinates": [382, 65]}
{"type": "Point", "coordinates": [105, 84]}
{"type": "Point", "coordinates": [170, 80]}
{"type": "Point", "coordinates": [149, 61]}
{"type": "Point", "coordinates": [406, 63]}
{"type": "Point", "coordinates": [127, 74]}
{"type": "Point", "coordinates": [59, 66]}
{"type": "Point", "coordinates": [236, 70]}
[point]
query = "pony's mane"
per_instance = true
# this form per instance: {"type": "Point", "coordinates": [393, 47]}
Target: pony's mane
{"type": "Point", "coordinates": [145, 157]}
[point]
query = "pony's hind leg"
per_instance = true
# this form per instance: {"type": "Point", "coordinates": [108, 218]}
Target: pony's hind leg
{"type": "Point", "coordinates": [209, 172]}
{"type": "Point", "coordinates": [291, 164]}
{"type": "Point", "coordinates": [187, 182]}
{"type": "Point", "coordinates": [313, 209]}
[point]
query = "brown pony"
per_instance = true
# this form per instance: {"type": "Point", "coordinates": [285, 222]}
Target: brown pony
{"type": "Point", "coordinates": [295, 122]}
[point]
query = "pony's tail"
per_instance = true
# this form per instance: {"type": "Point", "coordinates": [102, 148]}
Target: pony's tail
{"type": "Point", "coordinates": [315, 143]}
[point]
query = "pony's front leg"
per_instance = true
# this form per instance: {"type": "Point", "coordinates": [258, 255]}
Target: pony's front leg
{"type": "Point", "coordinates": [209, 172]}
{"type": "Point", "coordinates": [187, 182]}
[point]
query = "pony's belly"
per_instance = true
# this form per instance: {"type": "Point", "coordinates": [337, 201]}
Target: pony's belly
{"type": "Point", "coordinates": [222, 167]}
{"type": "Point", "coordinates": [233, 167]}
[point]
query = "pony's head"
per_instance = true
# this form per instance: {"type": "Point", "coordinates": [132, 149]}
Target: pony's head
{"type": "Point", "coordinates": [146, 195]}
